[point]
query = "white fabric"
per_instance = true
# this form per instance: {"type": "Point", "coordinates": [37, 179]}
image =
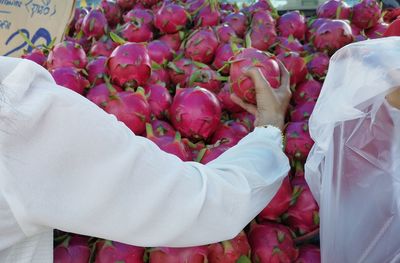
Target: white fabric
{"type": "Point", "coordinates": [67, 164]}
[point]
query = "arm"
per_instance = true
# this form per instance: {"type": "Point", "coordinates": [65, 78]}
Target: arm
{"type": "Point", "coordinates": [71, 166]}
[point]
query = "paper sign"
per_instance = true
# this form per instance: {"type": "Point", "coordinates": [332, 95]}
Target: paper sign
{"type": "Point", "coordinates": [39, 20]}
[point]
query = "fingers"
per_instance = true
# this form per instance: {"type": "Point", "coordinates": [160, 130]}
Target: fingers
{"type": "Point", "coordinates": [285, 76]}
{"type": "Point", "coordinates": [248, 107]}
{"type": "Point", "coordinates": [261, 85]}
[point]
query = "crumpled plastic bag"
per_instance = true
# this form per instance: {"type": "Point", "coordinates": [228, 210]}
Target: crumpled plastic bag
{"type": "Point", "coordinates": [353, 169]}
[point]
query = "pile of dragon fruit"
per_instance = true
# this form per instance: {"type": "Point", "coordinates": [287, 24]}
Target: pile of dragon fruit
{"type": "Point", "coordinates": [167, 69]}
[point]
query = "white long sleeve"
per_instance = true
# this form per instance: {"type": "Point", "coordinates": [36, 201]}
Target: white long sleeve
{"type": "Point", "coordinates": [67, 164]}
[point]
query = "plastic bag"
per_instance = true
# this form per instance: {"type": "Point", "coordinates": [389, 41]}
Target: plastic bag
{"type": "Point", "coordinates": [353, 169]}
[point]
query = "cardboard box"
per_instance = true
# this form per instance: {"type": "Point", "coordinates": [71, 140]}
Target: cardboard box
{"type": "Point", "coordinates": [39, 20]}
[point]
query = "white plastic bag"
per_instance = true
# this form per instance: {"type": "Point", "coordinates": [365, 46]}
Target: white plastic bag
{"type": "Point", "coordinates": [354, 167]}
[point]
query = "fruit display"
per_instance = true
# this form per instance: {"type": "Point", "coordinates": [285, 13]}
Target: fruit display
{"type": "Point", "coordinates": [167, 69]}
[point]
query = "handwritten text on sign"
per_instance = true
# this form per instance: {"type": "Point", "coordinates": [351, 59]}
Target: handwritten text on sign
{"type": "Point", "coordinates": [39, 20]}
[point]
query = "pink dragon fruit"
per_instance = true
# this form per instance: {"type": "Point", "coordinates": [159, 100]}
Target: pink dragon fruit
{"type": "Point", "coordinates": [103, 47]}
{"type": "Point", "coordinates": [298, 141]}
{"type": "Point", "coordinates": [173, 40]}
{"type": "Point", "coordinates": [261, 38]}
{"type": "Point", "coordinates": [159, 99]}
{"type": "Point", "coordinates": [308, 90]}
{"type": "Point", "coordinates": [159, 52]}
{"type": "Point", "coordinates": [97, 70]}
{"type": "Point", "coordinates": [230, 132]}
{"type": "Point", "coordinates": [136, 31]}
{"type": "Point", "coordinates": [112, 12]}
{"type": "Point", "coordinates": [171, 18]}
{"type": "Point", "coordinates": [78, 22]}
{"type": "Point", "coordinates": [238, 21]}
{"type": "Point", "coordinates": [193, 6]}
{"type": "Point", "coordinates": [101, 93]}
{"type": "Point", "coordinates": [37, 55]}
{"type": "Point", "coordinates": [224, 97]}
{"type": "Point", "coordinates": [67, 54]}
{"type": "Point", "coordinates": [366, 14]}
{"type": "Point", "coordinates": [195, 113]}
{"type": "Point", "coordinates": [159, 75]}
{"type": "Point", "coordinates": [211, 152]}
{"type": "Point", "coordinates": [145, 16]}
{"type": "Point", "coordinates": [250, 57]}
{"type": "Point", "coordinates": [172, 145]}
{"type": "Point", "coordinates": [288, 44]}
{"type": "Point", "coordinates": [208, 15]}
{"type": "Point", "coordinates": [201, 45]}
{"type": "Point", "coordinates": [376, 31]}
{"type": "Point", "coordinates": [333, 35]}
{"type": "Point", "coordinates": [245, 118]}
{"type": "Point", "coordinates": [126, 4]}
{"type": "Point", "coordinates": [223, 54]}
{"type": "Point", "coordinates": [262, 19]}
{"type": "Point", "coordinates": [318, 65]}
{"type": "Point", "coordinates": [309, 254]}
{"type": "Point", "coordinates": [296, 65]}
{"type": "Point", "coordinates": [279, 204]}
{"type": "Point", "coordinates": [302, 216]}
{"type": "Point", "coordinates": [334, 9]}
{"type": "Point", "coordinates": [73, 249]}
{"type": "Point", "coordinates": [129, 65]}
{"type": "Point", "coordinates": [313, 25]}
{"type": "Point", "coordinates": [162, 128]}
{"type": "Point", "coordinates": [180, 71]}
{"type": "Point", "coordinates": [111, 251]}
{"type": "Point", "coordinates": [302, 112]}
{"type": "Point", "coordinates": [131, 108]}
{"type": "Point", "coordinates": [70, 77]}
{"type": "Point", "coordinates": [225, 34]}
{"type": "Point", "coordinates": [260, 5]}
{"type": "Point", "coordinates": [230, 251]}
{"type": "Point", "coordinates": [292, 24]}
{"type": "Point", "coordinates": [206, 78]}
{"type": "Point", "coordinates": [179, 255]}
{"type": "Point", "coordinates": [271, 242]}
{"type": "Point", "coordinates": [95, 24]}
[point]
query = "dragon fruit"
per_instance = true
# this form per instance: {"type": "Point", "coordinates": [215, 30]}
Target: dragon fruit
{"type": "Point", "coordinates": [173, 40]}
{"type": "Point", "coordinates": [224, 97]}
{"type": "Point", "coordinates": [250, 57]}
{"type": "Point", "coordinates": [206, 78]}
{"type": "Point", "coordinates": [287, 44]}
{"type": "Point", "coordinates": [172, 145]}
{"type": "Point", "coordinates": [179, 255]}
{"type": "Point", "coordinates": [208, 15]}
{"type": "Point", "coordinates": [334, 9]}
{"type": "Point", "coordinates": [70, 77]}
{"type": "Point", "coordinates": [101, 93]}
{"type": "Point", "coordinates": [298, 141]}
{"type": "Point", "coordinates": [245, 118]}
{"type": "Point", "coordinates": [332, 35]}
{"type": "Point", "coordinates": [261, 38]}
{"type": "Point", "coordinates": [230, 251]}
{"type": "Point", "coordinates": [95, 24]}
{"type": "Point", "coordinates": [292, 24]}
{"type": "Point", "coordinates": [193, 6]}
{"type": "Point", "coordinates": [279, 204]}
{"type": "Point", "coordinates": [180, 71]}
{"type": "Point", "coordinates": [226, 34]}
{"type": "Point", "coordinates": [136, 31]}
{"type": "Point", "coordinates": [111, 251]}
{"type": "Point", "coordinates": [37, 55]}
{"type": "Point", "coordinates": [313, 25]}
{"type": "Point", "coordinates": [145, 16]}
{"type": "Point", "coordinates": [131, 108]}
{"type": "Point", "coordinates": [195, 113]}
{"type": "Point", "coordinates": [302, 112]}
{"type": "Point", "coordinates": [103, 47]}
{"type": "Point", "coordinates": [366, 14]}
{"type": "Point", "coordinates": [223, 54]}
{"type": "Point", "coordinates": [262, 19]}
{"type": "Point", "coordinates": [159, 99]}
{"type": "Point", "coordinates": [81, 40]}
{"type": "Point", "coordinates": [73, 249]}
{"type": "Point", "coordinates": [238, 21]}
{"type": "Point", "coordinates": [296, 65]}
{"type": "Point", "coordinates": [171, 18]}
{"type": "Point", "coordinates": [67, 54]}
{"type": "Point", "coordinates": [159, 75]}
{"type": "Point", "coordinates": [308, 90]}
{"type": "Point", "coordinates": [159, 52]}
{"type": "Point", "coordinates": [162, 128]}
{"type": "Point", "coordinates": [271, 242]}
{"type": "Point", "coordinates": [97, 70]}
{"type": "Point", "coordinates": [302, 216]}
{"type": "Point", "coordinates": [377, 31]}
{"type": "Point", "coordinates": [112, 12]}
{"type": "Point", "coordinates": [129, 65]}
{"type": "Point", "coordinates": [211, 152]}
{"type": "Point", "coordinates": [230, 132]}
{"type": "Point", "coordinates": [126, 4]}
{"type": "Point", "coordinates": [309, 254]}
{"type": "Point", "coordinates": [201, 45]}
{"type": "Point", "coordinates": [260, 5]}
{"type": "Point", "coordinates": [318, 65]}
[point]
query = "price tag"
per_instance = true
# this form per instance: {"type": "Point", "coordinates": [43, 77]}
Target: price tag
{"type": "Point", "coordinates": [39, 20]}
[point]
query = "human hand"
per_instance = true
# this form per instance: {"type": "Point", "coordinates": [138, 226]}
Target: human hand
{"type": "Point", "coordinates": [272, 103]}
